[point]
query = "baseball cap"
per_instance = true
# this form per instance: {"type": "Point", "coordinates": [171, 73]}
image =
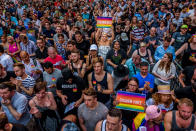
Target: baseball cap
{"type": "Point", "coordinates": [184, 26]}
{"type": "Point", "coordinates": [152, 112]}
{"type": "Point", "coordinates": [93, 47]}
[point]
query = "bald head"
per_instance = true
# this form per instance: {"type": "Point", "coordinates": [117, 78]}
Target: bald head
{"type": "Point", "coordinates": [52, 52]}
{"type": "Point", "coordinates": [24, 56]}
{"type": "Point", "coordinates": [23, 53]}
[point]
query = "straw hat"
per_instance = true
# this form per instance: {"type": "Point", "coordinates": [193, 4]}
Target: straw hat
{"type": "Point", "coordinates": [164, 89]}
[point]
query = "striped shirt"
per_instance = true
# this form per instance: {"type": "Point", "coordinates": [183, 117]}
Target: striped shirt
{"type": "Point", "coordinates": [28, 83]}
{"type": "Point", "coordinates": [30, 47]}
{"type": "Point", "coordinates": [138, 33]}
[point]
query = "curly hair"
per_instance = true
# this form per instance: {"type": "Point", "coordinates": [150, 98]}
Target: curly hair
{"type": "Point", "coordinates": [167, 65]}
{"type": "Point", "coordinates": [157, 99]}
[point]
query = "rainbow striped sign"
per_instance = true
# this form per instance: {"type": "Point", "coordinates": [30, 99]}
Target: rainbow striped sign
{"type": "Point", "coordinates": [131, 101]}
{"type": "Point", "coordinates": [104, 22]}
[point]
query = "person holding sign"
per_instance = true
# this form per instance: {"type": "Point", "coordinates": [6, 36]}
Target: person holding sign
{"type": "Point", "coordinates": [103, 43]}
{"type": "Point", "coordinates": [127, 115]}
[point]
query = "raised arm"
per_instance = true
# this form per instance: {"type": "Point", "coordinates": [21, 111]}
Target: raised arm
{"type": "Point", "coordinates": [182, 48]}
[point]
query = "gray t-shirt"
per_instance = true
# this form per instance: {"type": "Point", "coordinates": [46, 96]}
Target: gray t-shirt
{"type": "Point", "coordinates": [52, 79]}
{"type": "Point", "coordinates": [91, 117]}
{"type": "Point", "coordinates": [20, 103]}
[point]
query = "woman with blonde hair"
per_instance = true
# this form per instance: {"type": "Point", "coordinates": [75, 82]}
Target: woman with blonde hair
{"type": "Point", "coordinates": [162, 98]}
{"type": "Point", "coordinates": [164, 70]}
{"type": "Point", "coordinates": [13, 49]}
{"type": "Point", "coordinates": [104, 43]}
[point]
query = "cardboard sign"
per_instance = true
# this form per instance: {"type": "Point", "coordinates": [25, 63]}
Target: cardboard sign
{"type": "Point", "coordinates": [104, 22]}
{"type": "Point", "coordinates": [131, 101]}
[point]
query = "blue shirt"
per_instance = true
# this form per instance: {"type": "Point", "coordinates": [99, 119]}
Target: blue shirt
{"type": "Point", "coordinates": [160, 51]}
{"type": "Point", "coordinates": [20, 103]}
{"type": "Point", "coordinates": [85, 16]}
{"type": "Point", "coordinates": [149, 78]}
{"type": "Point", "coordinates": [133, 70]}
{"type": "Point", "coordinates": [26, 21]}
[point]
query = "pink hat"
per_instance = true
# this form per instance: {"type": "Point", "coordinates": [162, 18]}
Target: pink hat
{"type": "Point", "coordinates": [152, 112]}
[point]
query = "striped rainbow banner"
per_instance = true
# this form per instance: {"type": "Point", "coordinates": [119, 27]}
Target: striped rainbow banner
{"type": "Point", "coordinates": [131, 101]}
{"type": "Point", "coordinates": [104, 22]}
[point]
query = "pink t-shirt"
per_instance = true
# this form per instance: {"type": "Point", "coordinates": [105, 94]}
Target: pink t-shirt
{"type": "Point", "coordinates": [13, 48]}
{"type": "Point", "coordinates": [56, 61]}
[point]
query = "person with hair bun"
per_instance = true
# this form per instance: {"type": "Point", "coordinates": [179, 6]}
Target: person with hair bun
{"type": "Point", "coordinates": [43, 107]}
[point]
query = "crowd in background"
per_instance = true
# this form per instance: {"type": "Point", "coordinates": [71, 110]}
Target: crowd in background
{"type": "Point", "coordinates": [59, 71]}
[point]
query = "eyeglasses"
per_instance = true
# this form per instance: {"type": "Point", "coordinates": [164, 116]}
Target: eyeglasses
{"type": "Point", "coordinates": [132, 85]}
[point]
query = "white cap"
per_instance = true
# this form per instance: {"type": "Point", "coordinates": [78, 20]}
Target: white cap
{"type": "Point", "coordinates": [93, 47]}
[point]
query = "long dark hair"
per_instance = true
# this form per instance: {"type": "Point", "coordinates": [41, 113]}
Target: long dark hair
{"type": "Point", "coordinates": [167, 65]}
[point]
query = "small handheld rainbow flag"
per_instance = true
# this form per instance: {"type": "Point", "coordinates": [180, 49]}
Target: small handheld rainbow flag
{"type": "Point", "coordinates": [104, 22]}
{"type": "Point", "coordinates": [131, 101]}
{"type": "Point", "coordinates": [15, 60]}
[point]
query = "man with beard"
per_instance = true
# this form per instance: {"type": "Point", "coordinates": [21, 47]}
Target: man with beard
{"type": "Point", "coordinates": [182, 119]}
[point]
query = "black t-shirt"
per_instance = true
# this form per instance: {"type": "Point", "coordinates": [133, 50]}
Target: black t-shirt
{"type": "Point", "coordinates": [74, 90]}
{"type": "Point", "coordinates": [83, 46]}
{"type": "Point", "coordinates": [186, 92]}
{"type": "Point", "coordinates": [116, 58]}
{"type": "Point", "coordinates": [41, 55]}
{"type": "Point", "coordinates": [188, 72]}
{"type": "Point", "coordinates": [49, 33]}
{"type": "Point", "coordinates": [89, 32]}
{"type": "Point", "coordinates": [18, 127]}
{"type": "Point", "coordinates": [8, 76]}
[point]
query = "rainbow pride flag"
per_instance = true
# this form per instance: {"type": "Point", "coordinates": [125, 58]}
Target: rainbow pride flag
{"type": "Point", "coordinates": [131, 101]}
{"type": "Point", "coordinates": [104, 22]}
{"type": "Point", "coordinates": [139, 120]}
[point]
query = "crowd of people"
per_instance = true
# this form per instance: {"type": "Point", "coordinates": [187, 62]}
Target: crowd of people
{"type": "Point", "coordinates": [61, 72]}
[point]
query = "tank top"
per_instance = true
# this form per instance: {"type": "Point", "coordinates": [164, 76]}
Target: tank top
{"type": "Point", "coordinates": [104, 98]}
{"type": "Point", "coordinates": [187, 54]}
{"type": "Point", "coordinates": [13, 48]}
{"type": "Point", "coordinates": [75, 71]}
{"type": "Point", "coordinates": [175, 126]}
{"type": "Point", "coordinates": [103, 126]}
{"type": "Point", "coordinates": [60, 49]}
{"type": "Point", "coordinates": [146, 57]}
